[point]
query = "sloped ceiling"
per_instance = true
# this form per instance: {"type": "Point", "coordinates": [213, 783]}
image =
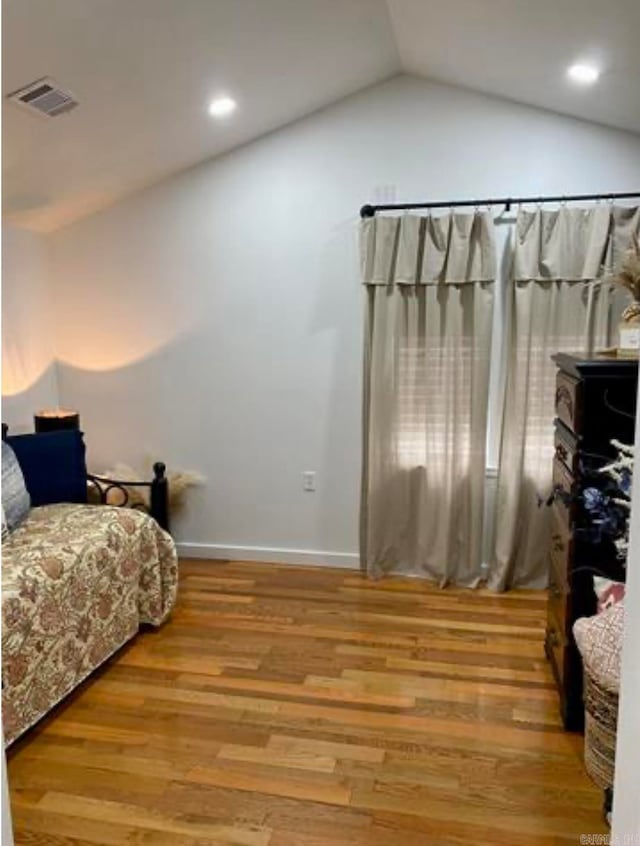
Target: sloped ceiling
{"type": "Point", "coordinates": [145, 70]}
{"type": "Point", "coordinates": [521, 49]}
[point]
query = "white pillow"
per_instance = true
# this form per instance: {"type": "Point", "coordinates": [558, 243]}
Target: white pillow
{"type": "Point", "coordinates": [599, 640]}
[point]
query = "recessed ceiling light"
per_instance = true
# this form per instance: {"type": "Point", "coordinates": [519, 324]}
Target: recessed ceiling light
{"type": "Point", "coordinates": [222, 107]}
{"type": "Point", "coordinates": [583, 74]}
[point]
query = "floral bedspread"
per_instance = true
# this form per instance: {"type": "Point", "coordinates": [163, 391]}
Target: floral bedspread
{"type": "Point", "coordinates": [77, 581]}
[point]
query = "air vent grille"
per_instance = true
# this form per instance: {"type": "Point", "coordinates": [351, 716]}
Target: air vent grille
{"type": "Point", "coordinates": [45, 97]}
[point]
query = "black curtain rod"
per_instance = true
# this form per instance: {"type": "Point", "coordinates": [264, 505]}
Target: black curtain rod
{"type": "Point", "coordinates": [507, 202]}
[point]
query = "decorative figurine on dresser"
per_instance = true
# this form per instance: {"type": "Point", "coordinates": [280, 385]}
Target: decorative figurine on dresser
{"type": "Point", "coordinates": [595, 403]}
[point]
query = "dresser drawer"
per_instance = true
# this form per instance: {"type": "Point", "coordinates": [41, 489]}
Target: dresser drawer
{"type": "Point", "coordinates": [559, 603]}
{"type": "Point", "coordinates": [561, 549]}
{"type": "Point", "coordinates": [567, 448]}
{"type": "Point", "coordinates": [557, 618]}
{"type": "Point", "coordinates": [569, 401]}
{"type": "Point", "coordinates": [563, 483]}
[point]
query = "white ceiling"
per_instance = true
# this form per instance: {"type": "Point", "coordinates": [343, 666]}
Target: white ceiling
{"type": "Point", "coordinates": [521, 49]}
{"type": "Point", "coordinates": [144, 71]}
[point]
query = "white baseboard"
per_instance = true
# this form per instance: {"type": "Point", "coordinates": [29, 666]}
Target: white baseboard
{"type": "Point", "coordinates": [272, 555]}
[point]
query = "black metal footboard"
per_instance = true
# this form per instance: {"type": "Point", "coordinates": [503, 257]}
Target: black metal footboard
{"type": "Point", "coordinates": [158, 506]}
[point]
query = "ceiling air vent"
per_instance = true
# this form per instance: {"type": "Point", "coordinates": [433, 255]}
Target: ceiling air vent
{"type": "Point", "coordinates": [45, 97]}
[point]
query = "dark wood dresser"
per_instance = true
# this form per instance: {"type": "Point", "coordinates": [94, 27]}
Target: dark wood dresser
{"type": "Point", "coordinates": [595, 402]}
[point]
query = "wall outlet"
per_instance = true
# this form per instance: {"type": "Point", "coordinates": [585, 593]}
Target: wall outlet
{"type": "Point", "coordinates": [309, 480]}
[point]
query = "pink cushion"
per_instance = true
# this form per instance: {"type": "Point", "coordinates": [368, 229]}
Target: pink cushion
{"type": "Point", "coordinates": [608, 592]}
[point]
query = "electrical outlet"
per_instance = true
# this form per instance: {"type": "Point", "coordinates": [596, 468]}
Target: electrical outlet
{"type": "Point", "coordinates": [309, 480]}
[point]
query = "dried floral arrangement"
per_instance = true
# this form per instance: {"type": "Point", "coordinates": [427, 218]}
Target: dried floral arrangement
{"type": "Point", "coordinates": [609, 505]}
{"type": "Point", "coordinates": [628, 277]}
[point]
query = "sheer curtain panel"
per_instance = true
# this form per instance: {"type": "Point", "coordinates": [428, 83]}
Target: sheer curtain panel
{"type": "Point", "coordinates": [560, 301]}
{"type": "Point", "coordinates": [429, 286]}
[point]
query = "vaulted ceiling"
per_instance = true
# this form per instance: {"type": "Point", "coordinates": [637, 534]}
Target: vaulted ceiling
{"type": "Point", "coordinates": [521, 49]}
{"type": "Point", "coordinates": [145, 70]}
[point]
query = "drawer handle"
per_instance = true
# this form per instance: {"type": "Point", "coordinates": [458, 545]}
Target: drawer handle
{"type": "Point", "coordinates": [556, 543]}
{"type": "Point", "coordinates": [560, 494]}
{"type": "Point", "coordinates": [553, 638]}
{"type": "Point", "coordinates": [563, 395]}
{"type": "Point", "coordinates": [562, 453]}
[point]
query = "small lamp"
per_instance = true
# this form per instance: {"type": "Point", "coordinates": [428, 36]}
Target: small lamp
{"type": "Point", "coordinates": [55, 419]}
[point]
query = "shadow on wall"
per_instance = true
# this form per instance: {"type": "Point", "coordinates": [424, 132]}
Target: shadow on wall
{"type": "Point", "coordinates": [133, 412]}
{"type": "Point", "coordinates": [222, 400]}
{"type": "Point", "coordinates": [20, 400]}
{"type": "Point", "coordinates": [134, 405]}
{"type": "Point", "coordinates": [30, 374]}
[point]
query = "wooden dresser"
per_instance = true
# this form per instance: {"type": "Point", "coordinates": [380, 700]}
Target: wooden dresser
{"type": "Point", "coordinates": [595, 402]}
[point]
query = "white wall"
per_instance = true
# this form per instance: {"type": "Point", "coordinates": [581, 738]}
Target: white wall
{"type": "Point", "coordinates": [215, 320]}
{"type": "Point", "coordinates": [28, 369]}
{"type": "Point", "coordinates": [626, 811]}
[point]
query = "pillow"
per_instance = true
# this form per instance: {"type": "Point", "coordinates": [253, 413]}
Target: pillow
{"type": "Point", "coordinates": [608, 592]}
{"type": "Point", "coordinates": [53, 464]}
{"type": "Point", "coordinates": [599, 640]}
{"type": "Point", "coordinates": [15, 497]}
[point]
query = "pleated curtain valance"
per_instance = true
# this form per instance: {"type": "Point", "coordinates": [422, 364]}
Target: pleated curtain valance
{"type": "Point", "coordinates": [411, 250]}
{"type": "Point", "coordinates": [572, 244]}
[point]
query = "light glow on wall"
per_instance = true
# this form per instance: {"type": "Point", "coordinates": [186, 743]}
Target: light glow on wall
{"type": "Point", "coordinates": [20, 373]}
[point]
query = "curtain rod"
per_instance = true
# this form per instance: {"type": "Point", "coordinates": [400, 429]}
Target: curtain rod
{"type": "Point", "coordinates": [507, 202]}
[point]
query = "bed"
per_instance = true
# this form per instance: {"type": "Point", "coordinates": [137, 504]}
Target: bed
{"type": "Point", "coordinates": [77, 582]}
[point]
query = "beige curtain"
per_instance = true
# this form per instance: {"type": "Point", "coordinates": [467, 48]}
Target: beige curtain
{"type": "Point", "coordinates": [429, 284]}
{"type": "Point", "coordinates": [561, 301]}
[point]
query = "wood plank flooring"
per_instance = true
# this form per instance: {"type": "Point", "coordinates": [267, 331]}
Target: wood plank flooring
{"type": "Point", "coordinates": [283, 706]}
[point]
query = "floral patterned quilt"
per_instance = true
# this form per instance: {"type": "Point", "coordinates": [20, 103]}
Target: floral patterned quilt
{"type": "Point", "coordinates": [77, 581]}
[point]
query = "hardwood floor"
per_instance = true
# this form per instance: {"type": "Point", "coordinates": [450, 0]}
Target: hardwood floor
{"type": "Point", "coordinates": [284, 706]}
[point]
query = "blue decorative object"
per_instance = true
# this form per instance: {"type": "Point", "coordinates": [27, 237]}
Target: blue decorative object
{"type": "Point", "coordinates": [606, 501]}
{"type": "Point", "coordinates": [15, 497]}
{"type": "Point", "coordinates": [53, 464]}
{"type": "Point", "coordinates": [593, 499]}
